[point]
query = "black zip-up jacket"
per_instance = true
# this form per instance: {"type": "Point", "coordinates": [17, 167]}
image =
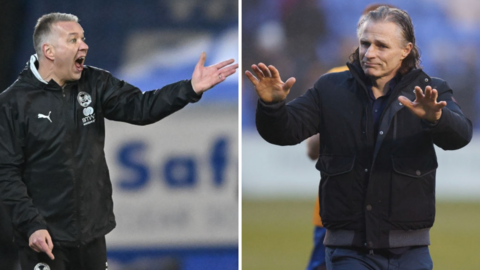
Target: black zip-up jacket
{"type": "Point", "coordinates": [53, 172]}
{"type": "Point", "coordinates": [376, 190]}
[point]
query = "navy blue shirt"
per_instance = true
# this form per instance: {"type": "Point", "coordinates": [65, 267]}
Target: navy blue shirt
{"type": "Point", "coordinates": [379, 104]}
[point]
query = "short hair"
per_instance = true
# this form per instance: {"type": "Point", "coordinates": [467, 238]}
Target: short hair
{"type": "Point", "coordinates": [404, 22]}
{"type": "Point", "coordinates": [373, 7]}
{"type": "Point", "coordinates": [43, 28]}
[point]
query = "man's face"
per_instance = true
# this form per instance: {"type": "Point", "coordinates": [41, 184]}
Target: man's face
{"type": "Point", "coordinates": [69, 51]}
{"type": "Point", "coordinates": [381, 49]}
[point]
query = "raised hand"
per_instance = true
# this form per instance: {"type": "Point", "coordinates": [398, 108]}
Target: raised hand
{"type": "Point", "coordinates": [40, 241]}
{"type": "Point", "coordinates": [204, 78]}
{"type": "Point", "coordinates": [268, 84]}
{"type": "Point", "coordinates": [425, 106]}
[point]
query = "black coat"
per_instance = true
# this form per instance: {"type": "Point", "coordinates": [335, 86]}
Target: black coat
{"type": "Point", "coordinates": [53, 172]}
{"type": "Point", "coordinates": [376, 189]}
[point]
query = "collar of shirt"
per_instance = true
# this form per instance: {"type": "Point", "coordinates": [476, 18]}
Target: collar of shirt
{"type": "Point", "coordinates": [392, 83]}
{"type": "Point", "coordinates": [33, 68]}
{"type": "Point", "coordinates": [379, 104]}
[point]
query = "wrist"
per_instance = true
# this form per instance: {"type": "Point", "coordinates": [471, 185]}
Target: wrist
{"type": "Point", "coordinates": [435, 118]}
{"type": "Point", "coordinates": [195, 88]}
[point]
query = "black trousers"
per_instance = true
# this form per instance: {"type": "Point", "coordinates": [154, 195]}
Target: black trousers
{"type": "Point", "coordinates": [92, 256]}
{"type": "Point", "coordinates": [8, 249]}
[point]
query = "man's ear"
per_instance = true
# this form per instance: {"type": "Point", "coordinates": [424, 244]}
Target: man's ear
{"type": "Point", "coordinates": [406, 51]}
{"type": "Point", "coordinates": [48, 51]}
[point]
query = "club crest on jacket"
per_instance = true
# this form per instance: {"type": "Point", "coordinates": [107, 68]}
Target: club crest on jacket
{"type": "Point", "coordinates": [84, 99]}
{"type": "Point", "coordinates": [41, 266]}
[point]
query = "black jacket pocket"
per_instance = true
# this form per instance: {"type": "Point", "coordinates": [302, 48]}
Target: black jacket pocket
{"type": "Point", "coordinates": [336, 187]}
{"type": "Point", "coordinates": [412, 197]}
{"type": "Point", "coordinates": [415, 167]}
{"type": "Point", "coordinates": [334, 165]}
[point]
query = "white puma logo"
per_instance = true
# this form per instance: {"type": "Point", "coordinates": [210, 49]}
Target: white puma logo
{"type": "Point", "coordinates": [45, 116]}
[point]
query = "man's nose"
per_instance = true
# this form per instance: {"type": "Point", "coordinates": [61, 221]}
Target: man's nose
{"type": "Point", "coordinates": [370, 53]}
{"type": "Point", "coordinates": [83, 46]}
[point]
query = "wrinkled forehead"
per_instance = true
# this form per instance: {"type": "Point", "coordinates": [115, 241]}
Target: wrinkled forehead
{"type": "Point", "coordinates": [379, 30]}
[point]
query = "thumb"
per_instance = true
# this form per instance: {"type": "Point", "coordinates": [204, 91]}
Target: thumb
{"type": "Point", "coordinates": [405, 101]}
{"type": "Point", "coordinates": [288, 84]}
{"type": "Point", "coordinates": [442, 104]}
{"type": "Point", "coordinates": [201, 61]}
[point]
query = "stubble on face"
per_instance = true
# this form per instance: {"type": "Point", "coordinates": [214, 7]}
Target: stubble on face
{"type": "Point", "coordinates": [69, 51]}
{"type": "Point", "coordinates": [381, 49]}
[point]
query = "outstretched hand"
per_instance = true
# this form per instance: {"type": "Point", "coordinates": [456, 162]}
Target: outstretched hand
{"type": "Point", "coordinates": [40, 241]}
{"type": "Point", "coordinates": [425, 106]}
{"type": "Point", "coordinates": [268, 84]}
{"type": "Point", "coordinates": [204, 78]}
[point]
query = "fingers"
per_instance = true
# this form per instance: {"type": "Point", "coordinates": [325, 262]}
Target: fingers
{"type": "Point", "coordinates": [229, 69]}
{"type": "Point", "coordinates": [405, 102]}
{"type": "Point", "coordinates": [441, 104]}
{"type": "Point", "coordinates": [43, 245]}
{"type": "Point", "coordinates": [429, 96]}
{"type": "Point", "coordinates": [34, 247]}
{"type": "Point", "coordinates": [274, 71]}
{"type": "Point", "coordinates": [428, 92]}
{"type": "Point", "coordinates": [288, 84]}
{"type": "Point", "coordinates": [434, 95]}
{"type": "Point", "coordinates": [252, 78]}
{"type": "Point", "coordinates": [45, 248]}
{"type": "Point", "coordinates": [203, 58]}
{"type": "Point", "coordinates": [265, 70]}
{"type": "Point", "coordinates": [225, 73]}
{"type": "Point", "coordinates": [257, 72]}
{"type": "Point", "coordinates": [49, 242]}
{"type": "Point", "coordinates": [418, 93]}
{"type": "Point", "coordinates": [40, 241]}
{"type": "Point", "coordinates": [35, 241]}
{"type": "Point", "coordinates": [50, 254]}
{"type": "Point", "coordinates": [262, 71]}
{"type": "Point", "coordinates": [224, 63]}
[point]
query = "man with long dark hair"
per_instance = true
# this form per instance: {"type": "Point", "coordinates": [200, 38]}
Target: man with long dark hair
{"type": "Point", "coordinates": [379, 122]}
{"type": "Point", "coordinates": [317, 257]}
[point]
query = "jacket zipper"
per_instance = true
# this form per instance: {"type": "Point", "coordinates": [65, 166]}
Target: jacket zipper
{"type": "Point", "coordinates": [75, 182]}
{"type": "Point", "coordinates": [75, 188]}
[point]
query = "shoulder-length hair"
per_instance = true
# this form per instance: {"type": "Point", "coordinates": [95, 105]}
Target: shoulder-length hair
{"type": "Point", "coordinates": [404, 22]}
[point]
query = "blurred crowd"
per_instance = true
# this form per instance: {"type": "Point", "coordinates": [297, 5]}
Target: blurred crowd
{"type": "Point", "coordinates": [306, 38]}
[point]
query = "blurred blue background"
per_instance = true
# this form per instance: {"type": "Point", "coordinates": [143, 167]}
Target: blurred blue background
{"type": "Point", "coordinates": [306, 38]}
{"type": "Point", "coordinates": [151, 43]}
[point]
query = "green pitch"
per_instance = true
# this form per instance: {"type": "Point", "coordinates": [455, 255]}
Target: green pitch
{"type": "Point", "coordinates": [277, 235]}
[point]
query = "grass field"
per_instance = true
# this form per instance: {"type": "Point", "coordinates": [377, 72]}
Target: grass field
{"type": "Point", "coordinates": [277, 234]}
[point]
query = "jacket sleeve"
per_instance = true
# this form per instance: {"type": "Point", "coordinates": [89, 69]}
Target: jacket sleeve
{"type": "Point", "coordinates": [453, 130]}
{"type": "Point", "coordinates": [289, 124]}
{"type": "Point", "coordinates": [25, 217]}
{"type": "Point", "coordinates": [124, 102]}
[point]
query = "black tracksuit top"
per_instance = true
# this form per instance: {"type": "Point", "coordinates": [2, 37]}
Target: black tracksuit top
{"type": "Point", "coordinates": [53, 172]}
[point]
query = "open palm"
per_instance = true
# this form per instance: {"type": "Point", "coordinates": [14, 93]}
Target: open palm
{"type": "Point", "coordinates": [204, 78]}
{"type": "Point", "coordinates": [425, 106]}
{"type": "Point", "coordinates": [268, 84]}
